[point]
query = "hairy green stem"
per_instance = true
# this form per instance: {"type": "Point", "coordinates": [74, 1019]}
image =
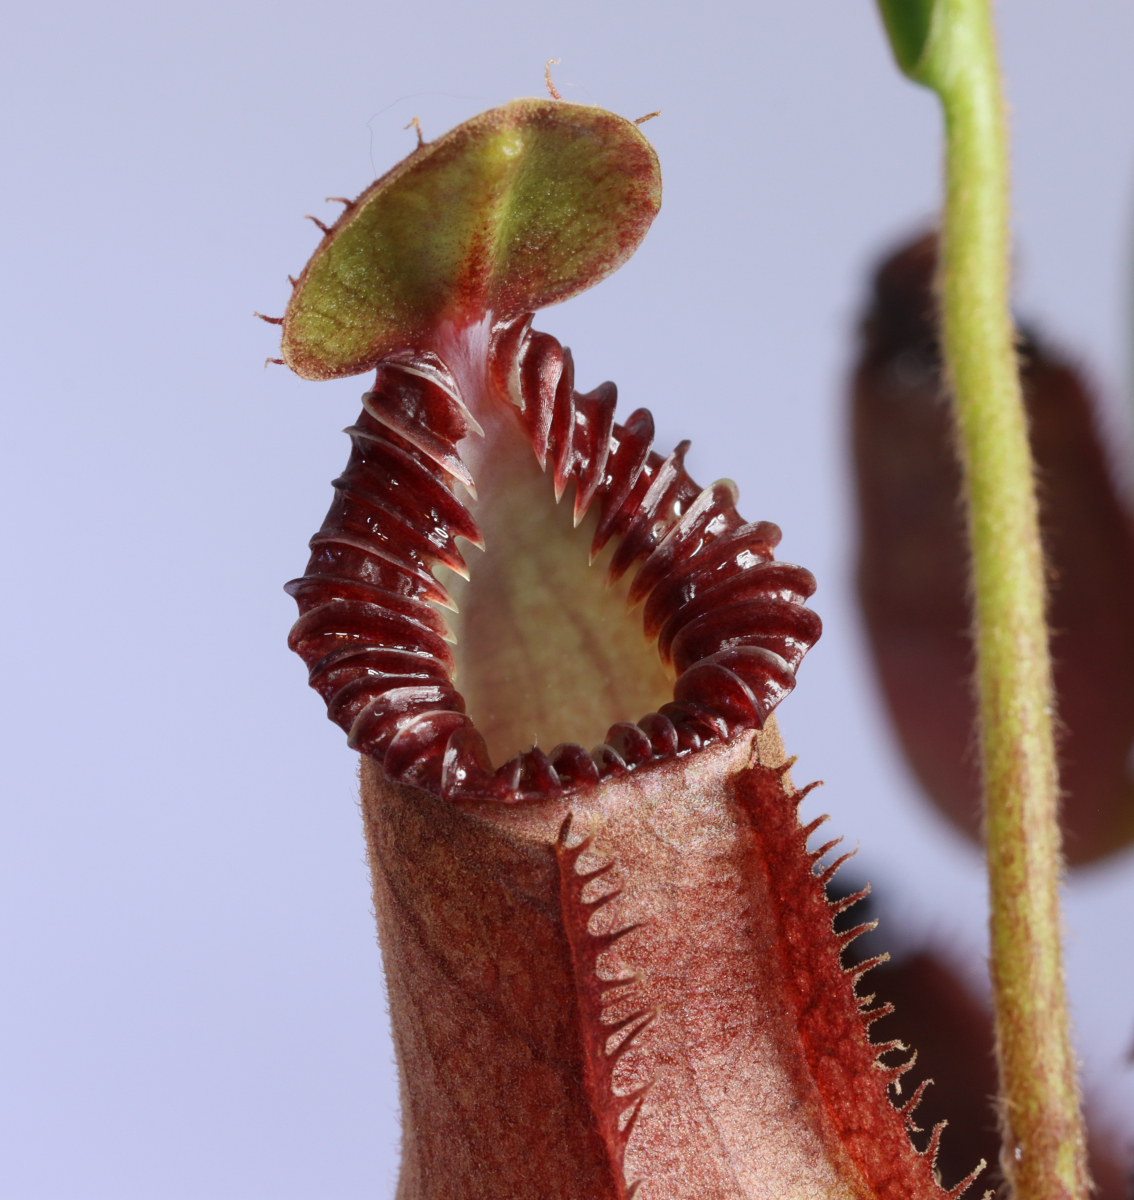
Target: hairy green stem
{"type": "Point", "coordinates": [950, 46]}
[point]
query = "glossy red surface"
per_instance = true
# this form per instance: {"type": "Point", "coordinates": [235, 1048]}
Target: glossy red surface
{"type": "Point", "coordinates": [728, 617]}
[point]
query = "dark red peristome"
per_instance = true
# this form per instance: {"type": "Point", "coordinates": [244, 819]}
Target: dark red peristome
{"type": "Point", "coordinates": [729, 619]}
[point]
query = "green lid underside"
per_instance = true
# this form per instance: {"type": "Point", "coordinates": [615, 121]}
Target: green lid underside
{"type": "Point", "coordinates": [523, 206]}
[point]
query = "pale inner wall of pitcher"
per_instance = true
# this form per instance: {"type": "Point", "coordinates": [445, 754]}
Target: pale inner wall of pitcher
{"type": "Point", "coordinates": [545, 652]}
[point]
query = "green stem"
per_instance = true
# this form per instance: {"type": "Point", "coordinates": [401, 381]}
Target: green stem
{"type": "Point", "coordinates": [1043, 1138]}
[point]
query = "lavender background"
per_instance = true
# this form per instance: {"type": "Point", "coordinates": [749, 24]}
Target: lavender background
{"type": "Point", "coordinates": [192, 1004]}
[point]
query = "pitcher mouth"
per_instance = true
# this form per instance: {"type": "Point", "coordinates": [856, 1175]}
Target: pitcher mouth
{"type": "Point", "coordinates": [723, 625]}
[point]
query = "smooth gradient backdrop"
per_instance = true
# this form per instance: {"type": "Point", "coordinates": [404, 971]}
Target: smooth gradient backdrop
{"type": "Point", "coordinates": [192, 997]}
